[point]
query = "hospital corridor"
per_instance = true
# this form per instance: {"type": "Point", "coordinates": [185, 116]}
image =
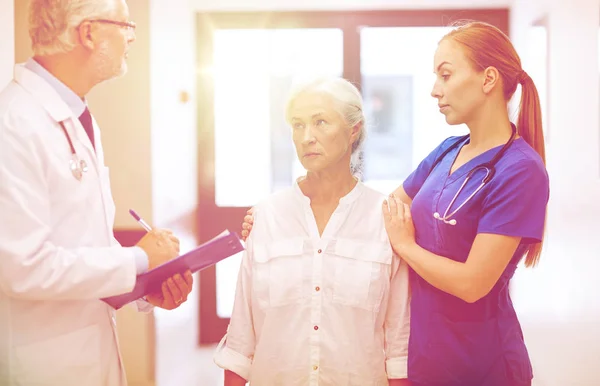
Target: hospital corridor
{"type": "Point", "coordinates": [195, 133]}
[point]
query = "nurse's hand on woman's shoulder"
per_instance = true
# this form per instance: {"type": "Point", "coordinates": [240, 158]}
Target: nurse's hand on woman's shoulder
{"type": "Point", "coordinates": [398, 223]}
{"type": "Point", "coordinates": [247, 225]}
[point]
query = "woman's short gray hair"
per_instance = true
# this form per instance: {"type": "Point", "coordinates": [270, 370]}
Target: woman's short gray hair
{"type": "Point", "coordinates": [52, 23]}
{"type": "Point", "coordinates": [347, 98]}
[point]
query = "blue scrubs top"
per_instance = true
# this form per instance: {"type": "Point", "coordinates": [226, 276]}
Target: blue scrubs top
{"type": "Point", "coordinates": [452, 342]}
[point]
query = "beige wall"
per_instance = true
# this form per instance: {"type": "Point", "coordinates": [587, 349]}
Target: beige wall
{"type": "Point", "coordinates": [137, 338]}
{"type": "Point", "coordinates": [173, 121]}
{"type": "Point", "coordinates": [7, 42]}
{"type": "Point", "coordinates": [122, 109]}
{"type": "Point", "coordinates": [22, 42]}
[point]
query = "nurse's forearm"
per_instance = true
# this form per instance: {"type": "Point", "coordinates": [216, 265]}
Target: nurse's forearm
{"type": "Point", "coordinates": [444, 274]}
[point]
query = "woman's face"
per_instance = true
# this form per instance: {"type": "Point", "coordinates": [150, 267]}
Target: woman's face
{"type": "Point", "coordinates": [321, 135]}
{"type": "Point", "coordinates": [458, 87]}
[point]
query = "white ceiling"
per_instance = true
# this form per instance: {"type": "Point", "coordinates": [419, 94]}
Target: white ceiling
{"type": "Point", "coordinates": [297, 5]}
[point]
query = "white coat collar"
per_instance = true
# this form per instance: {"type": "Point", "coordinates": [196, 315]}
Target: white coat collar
{"type": "Point", "coordinates": [76, 103]}
{"type": "Point", "coordinates": [55, 105]}
{"type": "Point", "coordinates": [43, 92]}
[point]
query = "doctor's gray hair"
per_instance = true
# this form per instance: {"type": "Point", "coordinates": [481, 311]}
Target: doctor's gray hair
{"type": "Point", "coordinates": [349, 104]}
{"type": "Point", "coordinates": [53, 23]}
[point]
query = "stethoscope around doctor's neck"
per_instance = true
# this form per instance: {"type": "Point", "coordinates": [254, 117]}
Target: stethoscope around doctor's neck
{"type": "Point", "coordinates": [490, 170]}
{"type": "Point", "coordinates": [76, 165]}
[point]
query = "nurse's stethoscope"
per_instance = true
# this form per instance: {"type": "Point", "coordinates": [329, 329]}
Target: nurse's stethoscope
{"type": "Point", "coordinates": [490, 170]}
{"type": "Point", "coordinates": [76, 165]}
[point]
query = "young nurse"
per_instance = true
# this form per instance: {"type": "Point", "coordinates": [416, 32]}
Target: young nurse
{"type": "Point", "coordinates": [470, 212]}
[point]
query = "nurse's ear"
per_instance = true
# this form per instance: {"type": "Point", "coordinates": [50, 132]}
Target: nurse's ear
{"type": "Point", "coordinates": [85, 35]}
{"type": "Point", "coordinates": [491, 78]}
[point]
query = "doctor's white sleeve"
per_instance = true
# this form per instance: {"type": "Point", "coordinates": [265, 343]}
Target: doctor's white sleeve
{"type": "Point", "coordinates": [397, 322]}
{"type": "Point", "coordinates": [32, 267]}
{"type": "Point", "coordinates": [141, 259]}
{"type": "Point", "coordinates": [236, 349]}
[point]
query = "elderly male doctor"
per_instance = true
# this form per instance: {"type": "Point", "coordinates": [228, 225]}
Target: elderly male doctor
{"type": "Point", "coordinates": [58, 256]}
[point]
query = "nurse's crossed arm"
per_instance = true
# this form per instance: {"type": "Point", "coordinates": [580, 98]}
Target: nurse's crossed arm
{"type": "Point", "coordinates": [505, 216]}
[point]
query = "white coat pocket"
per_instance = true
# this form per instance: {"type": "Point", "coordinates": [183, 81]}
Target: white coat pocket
{"type": "Point", "coordinates": [278, 272]}
{"type": "Point", "coordinates": [362, 273]}
{"type": "Point", "coordinates": [68, 359]}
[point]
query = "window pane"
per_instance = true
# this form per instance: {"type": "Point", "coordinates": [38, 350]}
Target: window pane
{"type": "Point", "coordinates": [402, 117]}
{"type": "Point", "coordinates": [253, 73]}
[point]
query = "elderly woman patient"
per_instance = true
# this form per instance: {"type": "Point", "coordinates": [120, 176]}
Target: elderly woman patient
{"type": "Point", "coordinates": [321, 299]}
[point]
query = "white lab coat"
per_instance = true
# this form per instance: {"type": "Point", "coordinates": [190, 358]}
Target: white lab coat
{"type": "Point", "coordinates": [58, 256]}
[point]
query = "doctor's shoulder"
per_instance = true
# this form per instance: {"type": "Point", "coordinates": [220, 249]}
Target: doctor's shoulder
{"type": "Point", "coordinates": [20, 113]}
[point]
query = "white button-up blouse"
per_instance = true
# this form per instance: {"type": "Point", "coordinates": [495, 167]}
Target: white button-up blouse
{"type": "Point", "coordinates": [319, 310]}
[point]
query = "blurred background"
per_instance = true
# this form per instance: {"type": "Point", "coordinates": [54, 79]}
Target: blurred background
{"type": "Point", "coordinates": [194, 134]}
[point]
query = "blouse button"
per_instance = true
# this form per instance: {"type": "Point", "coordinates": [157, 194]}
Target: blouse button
{"type": "Point", "coordinates": [316, 328]}
{"type": "Point", "coordinates": [315, 367]}
{"type": "Point", "coordinates": [317, 288]}
{"type": "Point", "coordinates": [319, 251]}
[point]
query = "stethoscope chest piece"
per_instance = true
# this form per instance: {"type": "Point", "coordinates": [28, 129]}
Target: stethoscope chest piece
{"type": "Point", "coordinates": [78, 167]}
{"type": "Point", "coordinates": [490, 170]}
{"type": "Point", "coordinates": [437, 216]}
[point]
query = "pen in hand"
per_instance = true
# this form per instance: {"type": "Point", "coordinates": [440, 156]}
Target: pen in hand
{"type": "Point", "coordinates": [140, 220]}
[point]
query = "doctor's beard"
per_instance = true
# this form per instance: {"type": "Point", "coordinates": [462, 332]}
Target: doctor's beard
{"type": "Point", "coordinates": [107, 66]}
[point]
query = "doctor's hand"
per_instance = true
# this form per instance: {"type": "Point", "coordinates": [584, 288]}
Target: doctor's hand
{"type": "Point", "coordinates": [173, 292]}
{"type": "Point", "coordinates": [247, 225]}
{"type": "Point", "coordinates": [398, 224]}
{"type": "Point", "coordinates": [160, 245]}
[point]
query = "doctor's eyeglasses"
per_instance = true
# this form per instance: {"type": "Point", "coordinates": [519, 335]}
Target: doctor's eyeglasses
{"type": "Point", "coordinates": [128, 25]}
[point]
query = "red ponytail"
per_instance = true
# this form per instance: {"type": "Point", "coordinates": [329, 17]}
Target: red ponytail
{"type": "Point", "coordinates": [487, 46]}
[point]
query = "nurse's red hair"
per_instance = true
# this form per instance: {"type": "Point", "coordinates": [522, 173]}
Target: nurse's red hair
{"type": "Point", "coordinates": [486, 46]}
